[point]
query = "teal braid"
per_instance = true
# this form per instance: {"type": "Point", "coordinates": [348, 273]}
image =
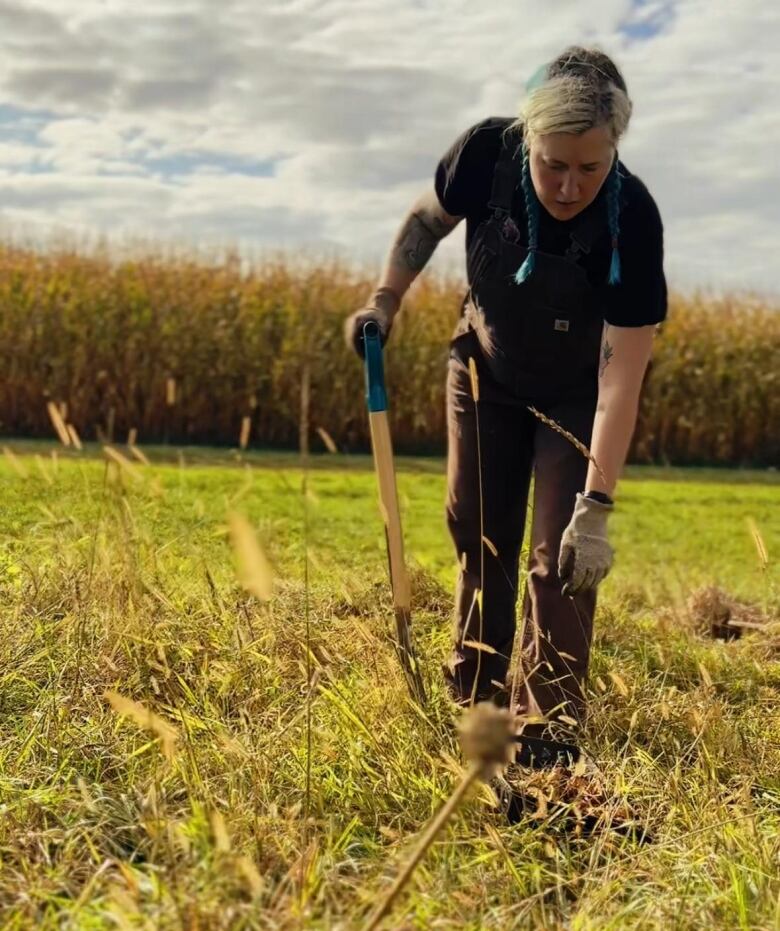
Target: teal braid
{"type": "Point", "coordinates": [532, 214]}
{"type": "Point", "coordinates": [613, 218]}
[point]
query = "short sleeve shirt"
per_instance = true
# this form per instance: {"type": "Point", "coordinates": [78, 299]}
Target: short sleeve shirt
{"type": "Point", "coordinates": [463, 183]}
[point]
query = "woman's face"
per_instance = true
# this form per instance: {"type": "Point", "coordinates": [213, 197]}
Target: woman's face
{"type": "Point", "coordinates": [568, 169]}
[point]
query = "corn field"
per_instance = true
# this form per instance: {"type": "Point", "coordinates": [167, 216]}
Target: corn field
{"type": "Point", "coordinates": [190, 350]}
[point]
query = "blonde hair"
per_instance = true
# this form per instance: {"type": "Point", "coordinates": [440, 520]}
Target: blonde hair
{"type": "Point", "coordinates": [577, 91]}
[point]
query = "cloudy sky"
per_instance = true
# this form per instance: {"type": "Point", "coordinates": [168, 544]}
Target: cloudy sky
{"type": "Point", "coordinates": [312, 124]}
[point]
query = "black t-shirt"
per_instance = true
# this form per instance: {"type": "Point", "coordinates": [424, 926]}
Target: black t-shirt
{"type": "Point", "coordinates": [463, 182]}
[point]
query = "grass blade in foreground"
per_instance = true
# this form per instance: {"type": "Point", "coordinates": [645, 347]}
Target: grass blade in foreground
{"type": "Point", "coordinates": [376, 397]}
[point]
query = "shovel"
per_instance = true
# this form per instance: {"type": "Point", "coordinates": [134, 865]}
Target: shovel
{"type": "Point", "coordinates": [381, 444]}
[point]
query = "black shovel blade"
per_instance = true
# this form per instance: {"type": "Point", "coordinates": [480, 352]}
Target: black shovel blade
{"type": "Point", "coordinates": [406, 655]}
{"type": "Point", "coordinates": [538, 753]}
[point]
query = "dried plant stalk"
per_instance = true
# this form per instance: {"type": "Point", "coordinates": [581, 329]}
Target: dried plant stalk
{"type": "Point", "coordinates": [246, 427]}
{"type": "Point", "coordinates": [554, 425]}
{"type": "Point", "coordinates": [58, 423]}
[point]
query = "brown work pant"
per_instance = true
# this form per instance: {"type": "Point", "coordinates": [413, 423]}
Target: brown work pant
{"type": "Point", "coordinates": [488, 535]}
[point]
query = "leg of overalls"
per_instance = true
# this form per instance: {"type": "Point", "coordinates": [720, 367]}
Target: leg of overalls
{"type": "Point", "coordinates": [557, 630]}
{"type": "Point", "coordinates": [505, 442]}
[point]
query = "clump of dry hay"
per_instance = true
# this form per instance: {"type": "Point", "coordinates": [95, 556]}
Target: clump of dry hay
{"type": "Point", "coordinates": [714, 612]}
{"type": "Point", "coordinates": [577, 799]}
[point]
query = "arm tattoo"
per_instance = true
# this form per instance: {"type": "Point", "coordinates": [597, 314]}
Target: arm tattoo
{"type": "Point", "coordinates": [418, 238]}
{"type": "Point", "coordinates": [606, 354]}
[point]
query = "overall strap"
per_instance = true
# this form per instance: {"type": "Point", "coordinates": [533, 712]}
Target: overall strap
{"type": "Point", "coordinates": [582, 238]}
{"type": "Point", "coordinates": [593, 227]}
{"type": "Point", "coordinates": [506, 176]}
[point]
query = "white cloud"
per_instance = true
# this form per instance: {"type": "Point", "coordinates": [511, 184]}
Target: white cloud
{"type": "Point", "coordinates": [158, 118]}
{"type": "Point", "coordinates": [17, 155]}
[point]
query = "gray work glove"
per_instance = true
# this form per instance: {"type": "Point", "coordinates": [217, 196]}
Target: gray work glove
{"type": "Point", "coordinates": [381, 307]}
{"type": "Point", "coordinates": [586, 556]}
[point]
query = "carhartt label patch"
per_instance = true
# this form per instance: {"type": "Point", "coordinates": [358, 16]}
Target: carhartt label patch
{"type": "Point", "coordinates": [562, 325]}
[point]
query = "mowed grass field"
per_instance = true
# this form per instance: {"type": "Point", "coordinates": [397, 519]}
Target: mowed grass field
{"type": "Point", "coordinates": [286, 776]}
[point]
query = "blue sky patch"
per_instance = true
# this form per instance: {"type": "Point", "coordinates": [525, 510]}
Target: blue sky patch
{"type": "Point", "coordinates": [172, 166]}
{"type": "Point", "coordinates": [647, 19]}
{"type": "Point", "coordinates": [20, 125]}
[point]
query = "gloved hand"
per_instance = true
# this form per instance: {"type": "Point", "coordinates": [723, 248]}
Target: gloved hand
{"type": "Point", "coordinates": [381, 308]}
{"type": "Point", "coordinates": [585, 557]}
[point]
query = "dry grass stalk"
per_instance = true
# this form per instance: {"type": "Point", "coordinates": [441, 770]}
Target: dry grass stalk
{"type": "Point", "coordinates": [145, 718]}
{"type": "Point", "coordinates": [620, 684]}
{"type": "Point", "coordinates": [74, 437]}
{"type": "Point", "coordinates": [305, 408]}
{"type": "Point", "coordinates": [121, 461]}
{"type": "Point", "coordinates": [434, 826]}
{"type": "Point", "coordinates": [15, 462]}
{"type": "Point", "coordinates": [220, 832]}
{"type": "Point", "coordinates": [327, 439]}
{"type": "Point", "coordinates": [251, 874]}
{"type": "Point", "coordinates": [486, 739]}
{"type": "Point", "coordinates": [254, 570]}
{"type": "Point", "coordinates": [763, 555]}
{"type": "Point", "coordinates": [58, 423]}
{"type": "Point", "coordinates": [138, 454]}
{"type": "Point", "coordinates": [132, 436]}
{"type": "Point", "coordinates": [554, 425]}
{"type": "Point", "coordinates": [474, 379]}
{"type": "Point", "coordinates": [246, 427]}
{"type": "Point", "coordinates": [170, 392]}
{"type": "Point", "coordinates": [476, 645]}
{"type": "Point", "coordinates": [41, 465]}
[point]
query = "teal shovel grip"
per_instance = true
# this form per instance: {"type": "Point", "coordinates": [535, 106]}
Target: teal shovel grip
{"type": "Point", "coordinates": [376, 396]}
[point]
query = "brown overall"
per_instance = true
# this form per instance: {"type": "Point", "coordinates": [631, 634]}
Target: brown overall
{"type": "Point", "coordinates": [537, 344]}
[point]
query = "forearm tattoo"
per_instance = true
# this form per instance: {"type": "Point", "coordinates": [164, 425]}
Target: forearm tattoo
{"type": "Point", "coordinates": [417, 240]}
{"type": "Point", "coordinates": [606, 353]}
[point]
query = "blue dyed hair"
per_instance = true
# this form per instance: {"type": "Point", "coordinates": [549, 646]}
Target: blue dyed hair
{"type": "Point", "coordinates": [614, 184]}
{"type": "Point", "coordinates": [532, 213]}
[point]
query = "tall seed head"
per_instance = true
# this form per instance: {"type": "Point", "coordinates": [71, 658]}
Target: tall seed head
{"type": "Point", "coordinates": [474, 378]}
{"type": "Point", "coordinates": [486, 737]}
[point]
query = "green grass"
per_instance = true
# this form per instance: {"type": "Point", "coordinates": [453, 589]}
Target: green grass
{"type": "Point", "coordinates": [125, 582]}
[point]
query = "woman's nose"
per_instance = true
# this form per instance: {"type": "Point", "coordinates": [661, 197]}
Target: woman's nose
{"type": "Point", "coordinates": [570, 189]}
